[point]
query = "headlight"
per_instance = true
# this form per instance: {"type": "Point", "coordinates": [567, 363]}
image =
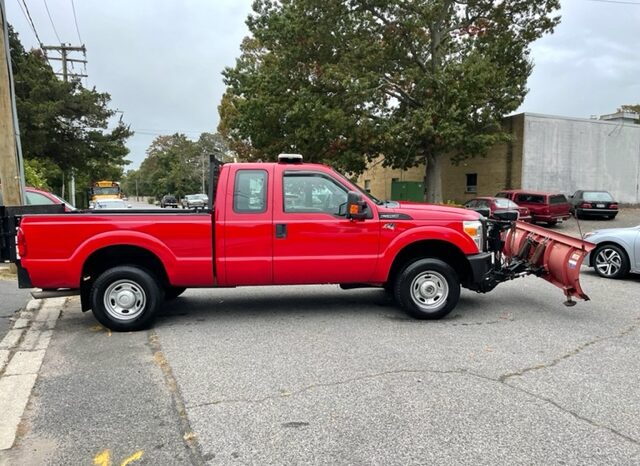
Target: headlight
{"type": "Point", "coordinates": [590, 233]}
{"type": "Point", "coordinates": [473, 228]}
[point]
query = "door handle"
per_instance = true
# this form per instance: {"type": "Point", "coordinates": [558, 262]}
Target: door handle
{"type": "Point", "coordinates": [281, 230]}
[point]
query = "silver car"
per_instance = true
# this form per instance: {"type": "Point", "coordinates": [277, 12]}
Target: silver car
{"type": "Point", "coordinates": [617, 252]}
{"type": "Point", "coordinates": [193, 200]}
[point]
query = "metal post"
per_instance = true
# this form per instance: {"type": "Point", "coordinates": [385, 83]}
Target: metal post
{"type": "Point", "coordinates": [64, 50]}
{"type": "Point", "coordinates": [11, 172]}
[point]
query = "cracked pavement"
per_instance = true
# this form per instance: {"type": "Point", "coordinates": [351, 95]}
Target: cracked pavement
{"type": "Point", "coordinates": [319, 375]}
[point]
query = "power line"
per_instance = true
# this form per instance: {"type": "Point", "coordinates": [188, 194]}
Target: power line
{"type": "Point", "coordinates": [75, 19]}
{"type": "Point", "coordinates": [27, 15]}
{"type": "Point", "coordinates": [55, 31]}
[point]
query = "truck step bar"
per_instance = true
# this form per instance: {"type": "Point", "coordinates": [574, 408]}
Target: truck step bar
{"type": "Point", "coordinates": [44, 294]}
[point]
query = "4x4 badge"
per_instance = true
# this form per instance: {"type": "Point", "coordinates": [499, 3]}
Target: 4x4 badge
{"type": "Point", "coordinates": [389, 226]}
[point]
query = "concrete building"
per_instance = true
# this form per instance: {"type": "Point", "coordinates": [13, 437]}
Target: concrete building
{"type": "Point", "coordinates": [547, 153]}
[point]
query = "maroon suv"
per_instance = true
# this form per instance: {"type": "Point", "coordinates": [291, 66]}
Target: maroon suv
{"type": "Point", "coordinates": [549, 208]}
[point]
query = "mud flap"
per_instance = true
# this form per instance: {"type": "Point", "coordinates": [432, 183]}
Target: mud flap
{"type": "Point", "coordinates": [553, 256]}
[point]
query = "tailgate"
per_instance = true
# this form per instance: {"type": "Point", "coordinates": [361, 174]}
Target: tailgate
{"type": "Point", "coordinates": [556, 257]}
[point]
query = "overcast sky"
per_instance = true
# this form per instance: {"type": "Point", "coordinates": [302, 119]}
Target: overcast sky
{"type": "Point", "coordinates": [161, 60]}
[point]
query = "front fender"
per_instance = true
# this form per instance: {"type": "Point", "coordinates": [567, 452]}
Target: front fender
{"type": "Point", "coordinates": [460, 240]}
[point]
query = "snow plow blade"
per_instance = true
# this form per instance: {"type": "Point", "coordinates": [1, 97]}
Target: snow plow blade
{"type": "Point", "coordinates": [556, 257]}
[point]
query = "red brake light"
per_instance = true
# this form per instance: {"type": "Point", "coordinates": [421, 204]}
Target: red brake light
{"type": "Point", "coordinates": [585, 205]}
{"type": "Point", "coordinates": [22, 243]}
{"type": "Point", "coordinates": [613, 206]}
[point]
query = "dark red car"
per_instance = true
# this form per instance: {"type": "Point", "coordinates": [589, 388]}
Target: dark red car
{"type": "Point", "coordinates": [498, 204]}
{"type": "Point", "coordinates": [549, 208]}
{"type": "Point", "coordinates": [36, 196]}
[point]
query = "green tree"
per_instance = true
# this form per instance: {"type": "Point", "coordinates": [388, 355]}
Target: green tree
{"type": "Point", "coordinates": [171, 167]}
{"type": "Point", "coordinates": [63, 125]}
{"type": "Point", "coordinates": [176, 165]}
{"type": "Point", "coordinates": [343, 81]}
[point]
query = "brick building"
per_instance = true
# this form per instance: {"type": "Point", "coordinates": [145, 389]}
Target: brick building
{"type": "Point", "coordinates": [546, 153]}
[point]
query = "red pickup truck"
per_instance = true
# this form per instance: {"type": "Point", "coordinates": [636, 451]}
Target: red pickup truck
{"type": "Point", "coordinates": [285, 223]}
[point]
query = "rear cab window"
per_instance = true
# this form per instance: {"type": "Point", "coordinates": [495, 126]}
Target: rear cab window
{"type": "Point", "coordinates": [250, 191]}
{"type": "Point", "coordinates": [558, 199]}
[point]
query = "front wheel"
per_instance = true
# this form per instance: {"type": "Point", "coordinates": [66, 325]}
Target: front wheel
{"type": "Point", "coordinates": [611, 261]}
{"type": "Point", "coordinates": [126, 298]}
{"type": "Point", "coordinates": [428, 289]}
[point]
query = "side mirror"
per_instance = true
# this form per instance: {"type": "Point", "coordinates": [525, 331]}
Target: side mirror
{"type": "Point", "coordinates": [356, 206]}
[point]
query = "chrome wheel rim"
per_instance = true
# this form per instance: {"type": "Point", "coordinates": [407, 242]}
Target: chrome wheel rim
{"type": "Point", "coordinates": [429, 291]}
{"type": "Point", "coordinates": [608, 262]}
{"type": "Point", "coordinates": [124, 300]}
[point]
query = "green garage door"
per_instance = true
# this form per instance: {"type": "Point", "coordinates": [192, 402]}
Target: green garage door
{"type": "Point", "coordinates": [407, 191]}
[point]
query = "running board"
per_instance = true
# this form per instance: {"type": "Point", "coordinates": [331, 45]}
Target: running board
{"type": "Point", "coordinates": [44, 294]}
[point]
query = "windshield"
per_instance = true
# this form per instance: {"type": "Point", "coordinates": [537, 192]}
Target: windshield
{"type": "Point", "coordinates": [62, 201]}
{"type": "Point", "coordinates": [503, 203]}
{"type": "Point", "coordinates": [102, 191]}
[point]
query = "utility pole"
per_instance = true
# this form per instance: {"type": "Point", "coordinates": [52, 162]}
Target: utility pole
{"type": "Point", "coordinates": [11, 177]}
{"type": "Point", "coordinates": [65, 50]}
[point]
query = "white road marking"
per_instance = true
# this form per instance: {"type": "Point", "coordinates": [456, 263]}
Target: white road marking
{"type": "Point", "coordinates": [22, 351]}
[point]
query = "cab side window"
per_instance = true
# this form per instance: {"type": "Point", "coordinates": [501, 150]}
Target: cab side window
{"type": "Point", "coordinates": [250, 191]}
{"type": "Point", "coordinates": [310, 192]}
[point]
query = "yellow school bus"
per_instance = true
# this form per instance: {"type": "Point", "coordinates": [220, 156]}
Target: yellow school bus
{"type": "Point", "coordinates": [104, 190]}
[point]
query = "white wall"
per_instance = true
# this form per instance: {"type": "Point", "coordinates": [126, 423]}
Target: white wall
{"type": "Point", "coordinates": [565, 154]}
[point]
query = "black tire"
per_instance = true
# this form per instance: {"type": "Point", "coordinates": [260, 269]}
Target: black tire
{"type": "Point", "coordinates": [427, 289]}
{"type": "Point", "coordinates": [388, 288]}
{"type": "Point", "coordinates": [610, 261]}
{"type": "Point", "coordinates": [552, 223]}
{"type": "Point", "coordinates": [139, 294]}
{"type": "Point", "coordinates": [172, 292]}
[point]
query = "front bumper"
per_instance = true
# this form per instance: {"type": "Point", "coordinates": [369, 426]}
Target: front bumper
{"type": "Point", "coordinates": [606, 212]}
{"type": "Point", "coordinates": [480, 265]}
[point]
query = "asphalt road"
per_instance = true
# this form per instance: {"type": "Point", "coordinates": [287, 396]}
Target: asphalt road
{"type": "Point", "coordinates": [12, 299]}
{"type": "Point", "coordinates": [319, 375]}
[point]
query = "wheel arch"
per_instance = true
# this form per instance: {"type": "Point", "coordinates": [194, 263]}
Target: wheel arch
{"type": "Point", "coordinates": [431, 248]}
{"type": "Point", "coordinates": [115, 255]}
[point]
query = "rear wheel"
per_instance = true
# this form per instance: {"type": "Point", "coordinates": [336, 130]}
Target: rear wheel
{"type": "Point", "coordinates": [428, 289]}
{"type": "Point", "coordinates": [126, 298]}
{"type": "Point", "coordinates": [552, 223]}
{"type": "Point", "coordinates": [611, 261]}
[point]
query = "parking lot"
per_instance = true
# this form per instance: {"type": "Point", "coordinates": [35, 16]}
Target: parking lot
{"type": "Point", "coordinates": [319, 375]}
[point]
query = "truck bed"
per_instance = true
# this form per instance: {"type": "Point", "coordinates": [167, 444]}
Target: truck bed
{"type": "Point", "coordinates": [57, 250]}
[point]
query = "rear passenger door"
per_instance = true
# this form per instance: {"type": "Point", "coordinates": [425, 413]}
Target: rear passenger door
{"type": "Point", "coordinates": [248, 227]}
